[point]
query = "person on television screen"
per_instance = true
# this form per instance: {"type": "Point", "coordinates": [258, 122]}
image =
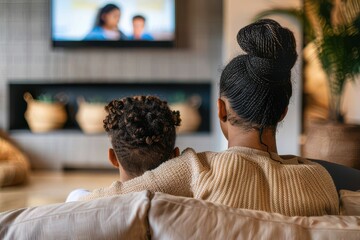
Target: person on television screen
{"type": "Point", "coordinates": [139, 29]}
{"type": "Point", "coordinates": [106, 25]}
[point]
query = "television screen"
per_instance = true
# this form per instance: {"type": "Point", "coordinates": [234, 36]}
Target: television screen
{"type": "Point", "coordinates": [116, 23]}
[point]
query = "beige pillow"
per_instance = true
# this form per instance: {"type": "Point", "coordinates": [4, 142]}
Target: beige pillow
{"type": "Point", "coordinates": [120, 217]}
{"type": "Point", "coordinates": [173, 217]}
{"type": "Point", "coordinates": [350, 202]}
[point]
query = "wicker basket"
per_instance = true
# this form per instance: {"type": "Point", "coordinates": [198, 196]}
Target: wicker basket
{"type": "Point", "coordinates": [338, 143]}
{"type": "Point", "coordinates": [44, 116]}
{"type": "Point", "coordinates": [90, 116]}
{"type": "Point", "coordinates": [189, 114]}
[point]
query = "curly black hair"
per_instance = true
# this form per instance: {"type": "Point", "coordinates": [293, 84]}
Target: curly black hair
{"type": "Point", "coordinates": [142, 132]}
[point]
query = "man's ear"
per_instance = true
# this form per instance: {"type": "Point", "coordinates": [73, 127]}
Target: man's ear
{"type": "Point", "coordinates": [283, 114]}
{"type": "Point", "coordinates": [112, 158]}
{"type": "Point", "coordinates": [222, 114]}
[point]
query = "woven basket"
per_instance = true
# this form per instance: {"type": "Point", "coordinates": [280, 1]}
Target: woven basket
{"type": "Point", "coordinates": [190, 117]}
{"type": "Point", "coordinates": [44, 116]}
{"type": "Point", "coordinates": [90, 116]}
{"type": "Point", "coordinates": [338, 143]}
{"type": "Point", "coordinates": [14, 164]}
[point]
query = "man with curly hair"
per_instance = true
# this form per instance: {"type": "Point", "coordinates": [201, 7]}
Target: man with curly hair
{"type": "Point", "coordinates": [142, 132]}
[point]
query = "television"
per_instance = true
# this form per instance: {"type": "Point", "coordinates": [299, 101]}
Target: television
{"type": "Point", "coordinates": [115, 23]}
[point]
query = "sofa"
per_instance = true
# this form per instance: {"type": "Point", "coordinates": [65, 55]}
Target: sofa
{"type": "Point", "coordinates": [146, 215]}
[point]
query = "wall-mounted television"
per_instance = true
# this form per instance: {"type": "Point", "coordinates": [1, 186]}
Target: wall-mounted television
{"type": "Point", "coordinates": [115, 23]}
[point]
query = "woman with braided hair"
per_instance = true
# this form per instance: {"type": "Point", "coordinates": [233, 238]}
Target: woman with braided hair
{"type": "Point", "coordinates": [255, 89]}
{"type": "Point", "coordinates": [142, 134]}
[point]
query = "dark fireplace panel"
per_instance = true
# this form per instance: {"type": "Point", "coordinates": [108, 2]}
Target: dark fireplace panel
{"type": "Point", "coordinates": [104, 92]}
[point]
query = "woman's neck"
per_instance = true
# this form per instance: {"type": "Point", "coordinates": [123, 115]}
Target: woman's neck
{"type": "Point", "coordinates": [109, 28]}
{"type": "Point", "coordinates": [251, 138]}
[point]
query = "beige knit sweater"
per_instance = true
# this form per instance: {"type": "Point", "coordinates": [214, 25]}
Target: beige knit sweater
{"type": "Point", "coordinates": [241, 178]}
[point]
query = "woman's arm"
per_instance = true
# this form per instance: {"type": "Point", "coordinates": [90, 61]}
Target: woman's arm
{"type": "Point", "coordinates": [176, 176]}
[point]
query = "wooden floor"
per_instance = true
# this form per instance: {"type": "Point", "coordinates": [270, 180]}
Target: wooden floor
{"type": "Point", "coordinates": [52, 187]}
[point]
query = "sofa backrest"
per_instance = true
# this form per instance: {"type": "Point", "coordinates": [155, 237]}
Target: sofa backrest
{"type": "Point", "coordinates": [172, 217]}
{"type": "Point", "coordinates": [120, 217]}
{"type": "Point", "coordinates": [160, 216]}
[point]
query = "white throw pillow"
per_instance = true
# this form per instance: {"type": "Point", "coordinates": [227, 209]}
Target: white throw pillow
{"type": "Point", "coordinates": [350, 202]}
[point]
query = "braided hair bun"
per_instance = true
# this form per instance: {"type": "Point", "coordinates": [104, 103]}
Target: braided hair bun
{"type": "Point", "coordinates": [270, 48]}
{"type": "Point", "coordinates": [258, 84]}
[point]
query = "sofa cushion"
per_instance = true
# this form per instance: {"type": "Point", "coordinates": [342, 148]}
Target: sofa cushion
{"type": "Point", "coordinates": [350, 202]}
{"type": "Point", "coordinates": [173, 217]}
{"type": "Point", "coordinates": [120, 217]}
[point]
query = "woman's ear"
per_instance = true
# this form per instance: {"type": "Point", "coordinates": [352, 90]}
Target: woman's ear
{"type": "Point", "coordinates": [222, 114]}
{"type": "Point", "coordinates": [283, 114]}
{"type": "Point", "coordinates": [112, 158]}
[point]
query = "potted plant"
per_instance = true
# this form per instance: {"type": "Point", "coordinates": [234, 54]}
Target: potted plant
{"type": "Point", "coordinates": [333, 27]}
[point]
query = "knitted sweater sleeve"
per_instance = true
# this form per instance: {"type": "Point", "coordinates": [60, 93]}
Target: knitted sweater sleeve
{"type": "Point", "coordinates": [176, 176]}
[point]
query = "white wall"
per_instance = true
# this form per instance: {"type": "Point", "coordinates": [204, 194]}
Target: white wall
{"type": "Point", "coordinates": [351, 106]}
{"type": "Point", "coordinates": [237, 14]}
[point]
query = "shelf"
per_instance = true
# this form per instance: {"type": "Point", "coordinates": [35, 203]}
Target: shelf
{"type": "Point", "coordinates": [105, 92]}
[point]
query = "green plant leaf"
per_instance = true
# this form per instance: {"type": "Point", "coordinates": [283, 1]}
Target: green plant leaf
{"type": "Point", "coordinates": [338, 47]}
